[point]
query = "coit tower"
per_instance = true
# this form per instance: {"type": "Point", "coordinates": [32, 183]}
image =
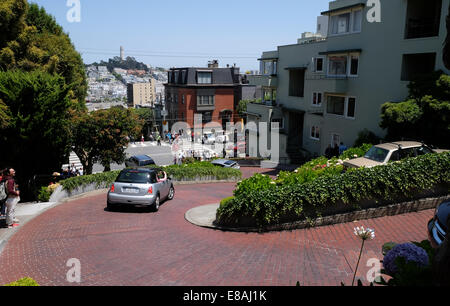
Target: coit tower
{"type": "Point", "coordinates": [122, 57]}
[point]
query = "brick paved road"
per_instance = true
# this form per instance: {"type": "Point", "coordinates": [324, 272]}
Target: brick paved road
{"type": "Point", "coordinates": [137, 247]}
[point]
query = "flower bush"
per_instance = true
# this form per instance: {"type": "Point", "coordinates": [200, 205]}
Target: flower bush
{"type": "Point", "coordinates": [409, 252]}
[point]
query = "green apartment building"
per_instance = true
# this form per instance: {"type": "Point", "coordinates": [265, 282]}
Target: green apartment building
{"type": "Point", "coordinates": [325, 90]}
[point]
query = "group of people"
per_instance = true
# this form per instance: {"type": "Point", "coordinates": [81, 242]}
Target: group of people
{"type": "Point", "coordinates": [9, 196]}
{"type": "Point", "coordinates": [335, 151]}
{"type": "Point", "coordinates": [69, 172]}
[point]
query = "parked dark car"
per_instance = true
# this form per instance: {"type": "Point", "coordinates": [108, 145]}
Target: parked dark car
{"type": "Point", "coordinates": [140, 187]}
{"type": "Point", "coordinates": [139, 161]}
{"type": "Point", "coordinates": [437, 227]}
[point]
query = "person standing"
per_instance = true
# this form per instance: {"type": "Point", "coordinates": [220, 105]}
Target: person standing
{"type": "Point", "coordinates": [4, 194]}
{"type": "Point", "coordinates": [13, 199]}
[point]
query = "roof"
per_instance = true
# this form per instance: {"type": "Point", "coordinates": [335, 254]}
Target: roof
{"type": "Point", "coordinates": [343, 8]}
{"type": "Point", "coordinates": [143, 157]}
{"type": "Point", "coordinates": [220, 76]}
{"type": "Point", "coordinates": [396, 144]}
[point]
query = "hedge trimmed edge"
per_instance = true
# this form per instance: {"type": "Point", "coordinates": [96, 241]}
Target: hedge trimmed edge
{"type": "Point", "coordinates": [273, 203]}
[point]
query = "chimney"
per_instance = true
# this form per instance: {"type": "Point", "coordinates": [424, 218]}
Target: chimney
{"type": "Point", "coordinates": [213, 64]}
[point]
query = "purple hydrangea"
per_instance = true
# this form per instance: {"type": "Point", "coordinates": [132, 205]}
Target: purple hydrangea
{"type": "Point", "coordinates": [410, 252]}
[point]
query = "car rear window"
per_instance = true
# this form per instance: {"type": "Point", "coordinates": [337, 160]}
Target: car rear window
{"type": "Point", "coordinates": [229, 163]}
{"type": "Point", "coordinates": [139, 177]}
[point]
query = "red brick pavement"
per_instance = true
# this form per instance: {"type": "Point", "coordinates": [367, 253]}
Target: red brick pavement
{"type": "Point", "coordinates": [137, 247]}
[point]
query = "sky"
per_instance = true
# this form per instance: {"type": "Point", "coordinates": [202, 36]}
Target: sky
{"type": "Point", "coordinates": [182, 33]}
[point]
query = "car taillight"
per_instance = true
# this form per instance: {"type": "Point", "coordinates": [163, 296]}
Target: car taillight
{"type": "Point", "coordinates": [112, 188]}
{"type": "Point", "coordinates": [150, 190]}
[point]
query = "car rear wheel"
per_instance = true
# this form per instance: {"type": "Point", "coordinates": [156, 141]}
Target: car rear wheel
{"type": "Point", "coordinates": [171, 193]}
{"type": "Point", "coordinates": [156, 204]}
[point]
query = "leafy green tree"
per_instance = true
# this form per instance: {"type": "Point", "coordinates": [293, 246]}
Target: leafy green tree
{"type": "Point", "coordinates": [425, 115]}
{"type": "Point", "coordinates": [39, 43]}
{"type": "Point", "coordinates": [35, 140]}
{"type": "Point", "coordinates": [12, 19]}
{"type": "Point", "coordinates": [101, 136]}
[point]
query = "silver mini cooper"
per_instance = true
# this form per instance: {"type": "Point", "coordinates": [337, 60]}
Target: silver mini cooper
{"type": "Point", "coordinates": [140, 187]}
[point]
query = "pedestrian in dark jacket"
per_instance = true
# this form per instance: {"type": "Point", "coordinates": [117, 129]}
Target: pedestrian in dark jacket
{"type": "Point", "coordinates": [3, 201]}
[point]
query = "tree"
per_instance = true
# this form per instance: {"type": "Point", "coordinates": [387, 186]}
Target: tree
{"type": "Point", "coordinates": [101, 136]}
{"type": "Point", "coordinates": [12, 19]}
{"type": "Point", "coordinates": [35, 139]}
{"type": "Point", "coordinates": [39, 43]}
{"type": "Point", "coordinates": [425, 115]}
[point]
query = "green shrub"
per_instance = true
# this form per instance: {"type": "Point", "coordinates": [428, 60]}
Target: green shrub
{"type": "Point", "coordinates": [44, 194]}
{"type": "Point", "coordinates": [356, 152]}
{"type": "Point", "coordinates": [190, 171]}
{"type": "Point", "coordinates": [267, 202]}
{"type": "Point", "coordinates": [24, 282]}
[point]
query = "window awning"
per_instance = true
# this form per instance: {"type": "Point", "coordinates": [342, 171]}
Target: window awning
{"type": "Point", "coordinates": [253, 114]}
{"type": "Point", "coordinates": [340, 51]}
{"type": "Point", "coordinates": [358, 5]}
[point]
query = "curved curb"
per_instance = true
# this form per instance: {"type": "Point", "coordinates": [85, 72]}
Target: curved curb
{"type": "Point", "coordinates": [195, 216]}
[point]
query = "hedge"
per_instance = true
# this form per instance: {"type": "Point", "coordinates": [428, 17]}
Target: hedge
{"type": "Point", "coordinates": [268, 202]}
{"type": "Point", "coordinates": [192, 171]}
{"type": "Point", "coordinates": [24, 282]}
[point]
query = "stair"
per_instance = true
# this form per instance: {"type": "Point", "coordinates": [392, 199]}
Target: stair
{"type": "Point", "coordinates": [73, 159]}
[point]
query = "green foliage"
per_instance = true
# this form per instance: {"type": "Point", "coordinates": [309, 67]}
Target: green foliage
{"type": "Point", "coordinates": [387, 247]}
{"type": "Point", "coordinates": [366, 136]}
{"type": "Point", "coordinates": [146, 115]}
{"type": "Point", "coordinates": [12, 19]}
{"type": "Point", "coordinates": [192, 171]}
{"type": "Point", "coordinates": [44, 194]}
{"type": "Point", "coordinates": [24, 282]}
{"type": "Point", "coordinates": [101, 136]}
{"type": "Point", "coordinates": [38, 106]}
{"type": "Point", "coordinates": [446, 51]}
{"type": "Point", "coordinates": [425, 116]}
{"type": "Point", "coordinates": [242, 106]}
{"type": "Point", "coordinates": [100, 179]}
{"type": "Point", "coordinates": [356, 152]}
{"type": "Point", "coordinates": [268, 202]}
{"type": "Point", "coordinates": [38, 43]}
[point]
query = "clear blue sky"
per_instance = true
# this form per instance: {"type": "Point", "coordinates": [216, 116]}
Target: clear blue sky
{"type": "Point", "coordinates": [186, 33]}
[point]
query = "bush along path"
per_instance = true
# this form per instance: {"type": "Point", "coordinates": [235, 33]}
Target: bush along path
{"type": "Point", "coordinates": [324, 189]}
{"type": "Point", "coordinates": [185, 172]}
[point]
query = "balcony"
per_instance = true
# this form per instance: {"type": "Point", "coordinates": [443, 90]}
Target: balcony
{"type": "Point", "coordinates": [328, 84]}
{"type": "Point", "coordinates": [263, 80]}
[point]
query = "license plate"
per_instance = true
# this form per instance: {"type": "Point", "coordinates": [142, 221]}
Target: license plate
{"type": "Point", "coordinates": [131, 190]}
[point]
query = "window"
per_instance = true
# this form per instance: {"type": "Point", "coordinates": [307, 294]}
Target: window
{"type": "Point", "coordinates": [423, 18]}
{"type": "Point", "coordinates": [176, 76]}
{"type": "Point", "coordinates": [296, 82]}
{"type": "Point", "coordinates": [357, 20]}
{"type": "Point", "coordinates": [417, 64]}
{"type": "Point", "coordinates": [318, 64]}
{"type": "Point", "coordinates": [342, 106]}
{"type": "Point", "coordinates": [317, 99]}
{"type": "Point", "coordinates": [182, 99]}
{"type": "Point", "coordinates": [336, 105]}
{"type": "Point", "coordinates": [204, 77]}
{"type": "Point", "coordinates": [337, 65]}
{"type": "Point", "coordinates": [205, 100]}
{"type": "Point", "coordinates": [315, 132]}
{"type": "Point", "coordinates": [346, 23]}
{"type": "Point", "coordinates": [351, 107]}
{"type": "Point", "coordinates": [354, 63]}
{"type": "Point", "coordinates": [269, 68]}
{"type": "Point", "coordinates": [280, 123]}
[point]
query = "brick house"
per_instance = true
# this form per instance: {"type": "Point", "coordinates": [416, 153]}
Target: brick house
{"type": "Point", "coordinates": [212, 92]}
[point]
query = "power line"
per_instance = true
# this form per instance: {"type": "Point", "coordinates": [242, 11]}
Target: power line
{"type": "Point", "coordinates": [168, 52]}
{"type": "Point", "coordinates": [172, 56]}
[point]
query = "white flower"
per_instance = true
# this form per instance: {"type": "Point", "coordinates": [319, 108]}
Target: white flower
{"type": "Point", "coordinates": [296, 171]}
{"type": "Point", "coordinates": [364, 234]}
{"type": "Point", "coordinates": [355, 156]}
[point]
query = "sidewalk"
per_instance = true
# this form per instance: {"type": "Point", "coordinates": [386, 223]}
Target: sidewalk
{"type": "Point", "coordinates": [24, 212]}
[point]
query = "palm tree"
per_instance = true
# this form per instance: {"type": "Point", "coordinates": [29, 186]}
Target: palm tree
{"type": "Point", "coordinates": [446, 53]}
